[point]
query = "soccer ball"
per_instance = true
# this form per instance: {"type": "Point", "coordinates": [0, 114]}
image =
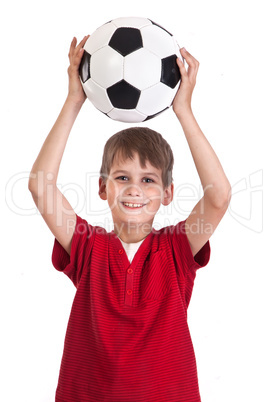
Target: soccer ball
{"type": "Point", "coordinates": [129, 70]}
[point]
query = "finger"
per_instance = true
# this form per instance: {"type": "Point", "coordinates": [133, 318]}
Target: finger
{"type": "Point", "coordinates": [182, 68]}
{"type": "Point", "coordinates": [82, 43]}
{"type": "Point", "coordinates": [72, 46]}
{"type": "Point", "coordinates": [193, 64]}
{"type": "Point", "coordinates": [79, 51]}
{"type": "Point", "coordinates": [191, 61]}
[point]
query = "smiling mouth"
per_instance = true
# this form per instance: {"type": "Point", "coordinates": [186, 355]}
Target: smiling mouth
{"type": "Point", "coordinates": [132, 205]}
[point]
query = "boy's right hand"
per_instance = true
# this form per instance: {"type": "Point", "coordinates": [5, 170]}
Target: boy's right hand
{"type": "Point", "coordinates": [76, 92]}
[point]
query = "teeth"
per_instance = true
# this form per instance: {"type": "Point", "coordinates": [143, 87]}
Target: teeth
{"type": "Point", "coordinates": [128, 204]}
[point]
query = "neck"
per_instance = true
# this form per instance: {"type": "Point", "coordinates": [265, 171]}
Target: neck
{"type": "Point", "coordinates": [132, 233]}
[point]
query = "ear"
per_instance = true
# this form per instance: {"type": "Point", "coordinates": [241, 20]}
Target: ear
{"type": "Point", "coordinates": [168, 194]}
{"type": "Point", "coordinates": [102, 189]}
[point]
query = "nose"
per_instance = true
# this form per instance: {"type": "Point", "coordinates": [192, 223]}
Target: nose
{"type": "Point", "coordinates": [133, 190]}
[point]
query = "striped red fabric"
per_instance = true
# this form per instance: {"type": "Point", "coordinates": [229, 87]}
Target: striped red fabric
{"type": "Point", "coordinates": [127, 338]}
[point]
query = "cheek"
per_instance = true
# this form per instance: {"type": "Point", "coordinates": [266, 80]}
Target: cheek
{"type": "Point", "coordinates": [155, 193]}
{"type": "Point", "coordinates": [114, 192]}
{"type": "Point", "coordinates": [112, 189]}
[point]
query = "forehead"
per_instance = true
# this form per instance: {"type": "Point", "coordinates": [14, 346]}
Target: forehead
{"type": "Point", "coordinates": [125, 162]}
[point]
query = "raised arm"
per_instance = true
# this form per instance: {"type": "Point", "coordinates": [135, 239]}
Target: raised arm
{"type": "Point", "coordinates": [209, 211]}
{"type": "Point", "coordinates": [53, 206]}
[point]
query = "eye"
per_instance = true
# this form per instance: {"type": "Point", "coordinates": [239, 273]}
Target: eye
{"type": "Point", "coordinates": [147, 180]}
{"type": "Point", "coordinates": [122, 178]}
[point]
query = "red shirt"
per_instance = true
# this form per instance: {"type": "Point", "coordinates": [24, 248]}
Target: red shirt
{"type": "Point", "coordinates": [127, 338]}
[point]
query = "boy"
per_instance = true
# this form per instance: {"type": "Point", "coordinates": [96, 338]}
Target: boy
{"type": "Point", "coordinates": [127, 337]}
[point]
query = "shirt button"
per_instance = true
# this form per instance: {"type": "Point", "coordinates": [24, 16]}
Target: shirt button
{"type": "Point", "coordinates": [130, 271]}
{"type": "Point", "coordinates": [120, 251]}
{"type": "Point", "coordinates": [129, 292]}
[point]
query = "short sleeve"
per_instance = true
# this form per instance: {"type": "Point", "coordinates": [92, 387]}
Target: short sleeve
{"type": "Point", "coordinates": [183, 250]}
{"type": "Point", "coordinates": [74, 264]}
{"type": "Point", "coordinates": [186, 263]}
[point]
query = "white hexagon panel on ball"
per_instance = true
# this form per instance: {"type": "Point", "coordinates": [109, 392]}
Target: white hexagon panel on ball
{"type": "Point", "coordinates": [142, 69]}
{"type": "Point", "coordinates": [106, 67]}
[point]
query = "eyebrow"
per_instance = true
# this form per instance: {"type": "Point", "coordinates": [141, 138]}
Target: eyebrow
{"type": "Point", "coordinates": [126, 173]}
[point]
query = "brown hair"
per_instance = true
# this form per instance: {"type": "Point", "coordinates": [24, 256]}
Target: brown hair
{"type": "Point", "coordinates": [149, 145]}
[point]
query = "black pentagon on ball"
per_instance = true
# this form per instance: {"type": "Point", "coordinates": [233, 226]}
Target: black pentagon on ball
{"type": "Point", "coordinates": [84, 68]}
{"type": "Point", "coordinates": [170, 74]}
{"type": "Point", "coordinates": [126, 40]}
{"type": "Point", "coordinates": [123, 95]}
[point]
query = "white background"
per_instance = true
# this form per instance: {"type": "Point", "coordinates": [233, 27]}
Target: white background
{"type": "Point", "coordinates": [228, 310]}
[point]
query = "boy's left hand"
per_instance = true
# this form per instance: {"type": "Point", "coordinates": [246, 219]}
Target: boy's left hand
{"type": "Point", "coordinates": [182, 100]}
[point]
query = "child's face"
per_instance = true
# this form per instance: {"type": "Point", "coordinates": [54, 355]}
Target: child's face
{"type": "Point", "coordinates": [134, 193]}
